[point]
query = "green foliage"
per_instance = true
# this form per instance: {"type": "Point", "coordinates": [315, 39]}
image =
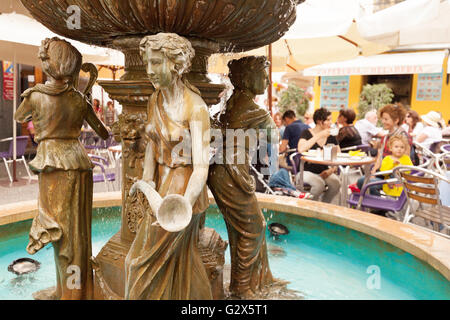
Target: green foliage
{"type": "Point", "coordinates": [374, 96]}
{"type": "Point", "coordinates": [294, 98]}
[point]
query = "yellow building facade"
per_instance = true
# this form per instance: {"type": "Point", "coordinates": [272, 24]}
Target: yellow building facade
{"type": "Point", "coordinates": [356, 83]}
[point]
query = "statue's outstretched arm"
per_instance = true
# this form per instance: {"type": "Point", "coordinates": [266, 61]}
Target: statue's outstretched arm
{"type": "Point", "coordinates": [95, 123]}
{"type": "Point", "coordinates": [91, 117]}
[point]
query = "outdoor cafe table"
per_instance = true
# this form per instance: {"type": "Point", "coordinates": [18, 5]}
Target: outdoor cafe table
{"type": "Point", "coordinates": [345, 162]}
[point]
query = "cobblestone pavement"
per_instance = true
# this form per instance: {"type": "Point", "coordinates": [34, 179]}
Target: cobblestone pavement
{"type": "Point", "coordinates": [27, 189]}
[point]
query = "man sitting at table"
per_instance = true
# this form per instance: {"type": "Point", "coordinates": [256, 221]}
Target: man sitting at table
{"type": "Point", "coordinates": [319, 176]}
{"type": "Point", "coordinates": [368, 130]}
{"type": "Point", "coordinates": [292, 132]}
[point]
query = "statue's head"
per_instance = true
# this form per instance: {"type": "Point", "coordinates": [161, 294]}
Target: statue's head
{"type": "Point", "coordinates": [167, 57]}
{"type": "Point", "coordinates": [249, 73]}
{"type": "Point", "coordinates": [60, 60]}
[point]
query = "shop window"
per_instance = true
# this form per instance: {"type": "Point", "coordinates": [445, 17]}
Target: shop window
{"type": "Point", "coordinates": [401, 85]}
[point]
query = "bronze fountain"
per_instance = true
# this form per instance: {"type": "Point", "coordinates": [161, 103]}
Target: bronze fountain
{"type": "Point", "coordinates": [211, 26]}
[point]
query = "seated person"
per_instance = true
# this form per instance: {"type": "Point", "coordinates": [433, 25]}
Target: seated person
{"type": "Point", "coordinates": [31, 133]}
{"type": "Point", "coordinates": [281, 181]}
{"type": "Point", "coordinates": [413, 124]}
{"type": "Point", "coordinates": [277, 118]}
{"type": "Point", "coordinates": [398, 146]}
{"type": "Point", "coordinates": [348, 135]}
{"type": "Point", "coordinates": [392, 116]}
{"type": "Point", "coordinates": [316, 175]}
{"type": "Point", "coordinates": [446, 130]}
{"type": "Point", "coordinates": [292, 132]}
{"type": "Point", "coordinates": [368, 130]}
{"type": "Point", "coordinates": [432, 132]}
{"type": "Point", "coordinates": [109, 114]}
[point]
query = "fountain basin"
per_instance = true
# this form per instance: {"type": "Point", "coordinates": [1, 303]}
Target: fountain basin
{"type": "Point", "coordinates": [334, 251]}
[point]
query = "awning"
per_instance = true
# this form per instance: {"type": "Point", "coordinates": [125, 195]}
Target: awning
{"type": "Point", "coordinates": [398, 63]}
{"type": "Point", "coordinates": [21, 38]}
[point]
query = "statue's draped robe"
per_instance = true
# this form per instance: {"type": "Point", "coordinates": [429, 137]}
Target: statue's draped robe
{"type": "Point", "coordinates": [162, 264]}
{"type": "Point", "coordinates": [65, 185]}
{"type": "Point", "coordinates": [234, 191]}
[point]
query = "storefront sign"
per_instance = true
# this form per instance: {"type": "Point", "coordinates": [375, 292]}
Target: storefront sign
{"type": "Point", "coordinates": [429, 87]}
{"type": "Point", "coordinates": [334, 92]}
{"type": "Point", "coordinates": [8, 80]}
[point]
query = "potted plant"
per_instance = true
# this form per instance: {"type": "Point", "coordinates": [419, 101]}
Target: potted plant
{"type": "Point", "coordinates": [294, 98]}
{"type": "Point", "coordinates": [373, 97]}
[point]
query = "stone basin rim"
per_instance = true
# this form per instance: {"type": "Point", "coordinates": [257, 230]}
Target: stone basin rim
{"type": "Point", "coordinates": [429, 247]}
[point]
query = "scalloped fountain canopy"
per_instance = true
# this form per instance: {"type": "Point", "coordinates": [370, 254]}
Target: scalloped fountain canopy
{"type": "Point", "coordinates": [236, 25]}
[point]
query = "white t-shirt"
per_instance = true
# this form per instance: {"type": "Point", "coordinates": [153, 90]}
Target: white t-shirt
{"type": "Point", "coordinates": [366, 130]}
{"type": "Point", "coordinates": [433, 135]}
{"type": "Point", "coordinates": [416, 131]}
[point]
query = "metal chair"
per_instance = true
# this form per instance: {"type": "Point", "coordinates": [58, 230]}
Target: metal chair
{"type": "Point", "coordinates": [105, 177]}
{"type": "Point", "coordinates": [295, 159]}
{"type": "Point", "coordinates": [426, 191]}
{"type": "Point", "coordinates": [426, 154]}
{"type": "Point", "coordinates": [260, 177]}
{"type": "Point", "coordinates": [8, 156]}
{"type": "Point", "coordinates": [443, 163]}
{"type": "Point", "coordinates": [393, 205]}
{"type": "Point", "coordinates": [95, 145]}
{"type": "Point", "coordinates": [445, 148]}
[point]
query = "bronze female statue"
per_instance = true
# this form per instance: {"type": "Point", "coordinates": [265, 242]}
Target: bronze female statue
{"type": "Point", "coordinates": [65, 171]}
{"type": "Point", "coordinates": [234, 188]}
{"type": "Point", "coordinates": [163, 264]}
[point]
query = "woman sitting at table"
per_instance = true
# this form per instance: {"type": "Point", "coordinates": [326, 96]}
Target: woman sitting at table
{"type": "Point", "coordinates": [316, 175]}
{"type": "Point", "coordinates": [392, 116]}
{"type": "Point", "coordinates": [413, 124]}
{"type": "Point", "coordinates": [348, 136]}
{"type": "Point", "coordinates": [432, 131]}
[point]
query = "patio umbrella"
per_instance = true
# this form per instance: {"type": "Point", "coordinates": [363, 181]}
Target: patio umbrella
{"type": "Point", "coordinates": [430, 26]}
{"type": "Point", "coordinates": [20, 39]}
{"type": "Point", "coordinates": [324, 31]}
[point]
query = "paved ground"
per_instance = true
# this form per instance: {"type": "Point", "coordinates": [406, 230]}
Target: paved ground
{"type": "Point", "coordinates": [27, 189]}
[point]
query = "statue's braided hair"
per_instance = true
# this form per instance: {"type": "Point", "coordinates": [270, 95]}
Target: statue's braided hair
{"type": "Point", "coordinates": [241, 68]}
{"type": "Point", "coordinates": [60, 59]}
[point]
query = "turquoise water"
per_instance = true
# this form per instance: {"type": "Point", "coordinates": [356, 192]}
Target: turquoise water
{"type": "Point", "coordinates": [321, 260]}
{"type": "Point", "coordinates": [13, 242]}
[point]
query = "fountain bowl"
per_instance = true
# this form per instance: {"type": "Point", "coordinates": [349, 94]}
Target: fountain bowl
{"type": "Point", "coordinates": [235, 25]}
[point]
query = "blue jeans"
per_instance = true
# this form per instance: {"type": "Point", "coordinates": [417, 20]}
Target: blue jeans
{"type": "Point", "coordinates": [272, 153]}
{"type": "Point", "coordinates": [281, 179]}
{"type": "Point", "coordinates": [374, 190]}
